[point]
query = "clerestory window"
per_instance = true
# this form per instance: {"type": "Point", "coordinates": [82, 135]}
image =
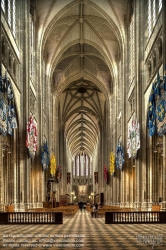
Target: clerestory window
{"type": "Point", "coordinates": [9, 9]}
{"type": "Point", "coordinates": [154, 9]}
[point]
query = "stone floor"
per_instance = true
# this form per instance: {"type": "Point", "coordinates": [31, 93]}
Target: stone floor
{"type": "Point", "coordinates": [83, 232]}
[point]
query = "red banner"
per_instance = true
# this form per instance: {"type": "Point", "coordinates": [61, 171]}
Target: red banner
{"type": "Point", "coordinates": [96, 177]}
{"type": "Point", "coordinates": [68, 178]}
{"type": "Point", "coordinates": [59, 173]}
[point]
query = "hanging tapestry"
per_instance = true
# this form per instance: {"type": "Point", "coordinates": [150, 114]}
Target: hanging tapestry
{"type": "Point", "coordinates": [161, 106]}
{"type": "Point", "coordinates": [133, 140]}
{"type": "Point", "coordinates": [45, 156]}
{"type": "Point", "coordinates": [3, 114]}
{"type": "Point", "coordinates": [105, 174]}
{"type": "Point", "coordinates": [112, 162]}
{"type": "Point", "coordinates": [156, 115]}
{"type": "Point", "coordinates": [31, 139]}
{"type": "Point", "coordinates": [96, 177]}
{"type": "Point", "coordinates": [53, 165]}
{"type": "Point", "coordinates": [0, 75]}
{"type": "Point", "coordinates": [59, 173]}
{"type": "Point", "coordinates": [151, 114]}
{"type": "Point", "coordinates": [3, 107]}
{"type": "Point", "coordinates": [12, 122]}
{"type": "Point", "coordinates": [119, 156]}
{"type": "Point", "coordinates": [7, 107]}
{"type": "Point", "coordinates": [68, 178]}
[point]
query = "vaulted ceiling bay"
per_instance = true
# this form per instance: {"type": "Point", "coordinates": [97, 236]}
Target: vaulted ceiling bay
{"type": "Point", "coordinates": [82, 43]}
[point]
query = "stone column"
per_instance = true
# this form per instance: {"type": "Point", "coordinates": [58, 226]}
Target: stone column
{"type": "Point", "coordinates": [149, 172]}
{"type": "Point", "coordinates": [131, 184]}
{"type": "Point", "coordinates": [127, 188]}
{"type": "Point", "coordinates": [164, 33]}
{"type": "Point", "coordinates": [16, 173]}
{"type": "Point", "coordinates": [1, 177]}
{"type": "Point", "coordinates": [1, 158]}
{"type": "Point", "coordinates": [101, 162]}
{"type": "Point", "coordinates": [140, 109]}
{"type": "Point", "coordinates": [24, 80]}
{"type": "Point", "coordinates": [56, 126]}
{"type": "Point", "coordinates": [62, 160]}
{"type": "Point", "coordinates": [39, 182]}
{"type": "Point", "coordinates": [164, 171]}
{"type": "Point", "coordinates": [134, 186]}
{"type": "Point", "coordinates": [117, 187]}
{"type": "Point", "coordinates": [164, 65]}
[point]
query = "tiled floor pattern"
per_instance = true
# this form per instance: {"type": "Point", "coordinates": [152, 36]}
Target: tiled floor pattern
{"type": "Point", "coordinates": [85, 233]}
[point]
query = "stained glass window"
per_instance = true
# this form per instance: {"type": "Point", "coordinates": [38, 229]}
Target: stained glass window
{"type": "Point", "coordinates": [14, 18]}
{"type": "Point", "coordinates": [90, 169]}
{"type": "Point", "coordinates": [154, 8]}
{"type": "Point", "coordinates": [149, 18]}
{"type": "Point", "coordinates": [87, 165]}
{"type": "Point", "coordinates": [160, 5]}
{"type": "Point", "coordinates": [131, 48]}
{"type": "Point", "coordinates": [153, 12]}
{"type": "Point", "coordinates": [81, 166]}
{"type": "Point", "coordinates": [82, 161]}
{"type": "Point", "coordinates": [3, 5]}
{"type": "Point", "coordinates": [9, 9]}
{"type": "Point", "coordinates": [44, 84]}
{"type": "Point", "coordinates": [9, 12]}
{"type": "Point", "coordinates": [31, 43]}
{"type": "Point", "coordinates": [77, 165]}
{"type": "Point", "coordinates": [74, 168]}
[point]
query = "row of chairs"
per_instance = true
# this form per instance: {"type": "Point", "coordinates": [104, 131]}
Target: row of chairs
{"type": "Point", "coordinates": [68, 211]}
{"type": "Point", "coordinates": [103, 209]}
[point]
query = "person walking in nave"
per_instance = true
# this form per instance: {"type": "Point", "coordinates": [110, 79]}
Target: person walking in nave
{"type": "Point", "coordinates": [81, 205]}
{"type": "Point", "coordinates": [96, 210]}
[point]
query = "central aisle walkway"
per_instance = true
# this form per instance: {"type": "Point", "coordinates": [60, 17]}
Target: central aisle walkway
{"type": "Point", "coordinates": [85, 233]}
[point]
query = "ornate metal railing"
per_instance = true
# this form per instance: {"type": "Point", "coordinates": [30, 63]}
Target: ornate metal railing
{"type": "Point", "coordinates": [31, 218]}
{"type": "Point", "coordinates": [135, 217]}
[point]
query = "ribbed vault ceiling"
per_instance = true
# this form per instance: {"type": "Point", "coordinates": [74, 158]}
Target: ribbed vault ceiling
{"type": "Point", "coordinates": [82, 43]}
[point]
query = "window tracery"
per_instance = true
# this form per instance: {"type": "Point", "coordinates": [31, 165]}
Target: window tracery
{"type": "Point", "coordinates": [77, 165]}
{"type": "Point", "coordinates": [31, 48]}
{"type": "Point", "coordinates": [3, 5]}
{"type": "Point", "coordinates": [154, 9]}
{"type": "Point", "coordinates": [81, 166]}
{"type": "Point", "coordinates": [131, 49]}
{"type": "Point", "coordinates": [86, 165]}
{"type": "Point", "coordinates": [9, 12]}
{"type": "Point", "coordinates": [44, 84]}
{"type": "Point", "coordinates": [9, 9]}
